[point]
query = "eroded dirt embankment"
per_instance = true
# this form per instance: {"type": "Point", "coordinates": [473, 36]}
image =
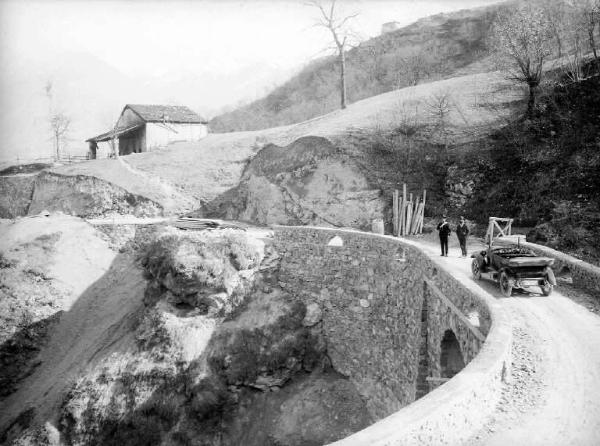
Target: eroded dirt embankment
{"type": "Point", "coordinates": [78, 195]}
{"type": "Point", "coordinates": [195, 341]}
{"type": "Point", "coordinates": [15, 194]}
{"type": "Point", "coordinates": [86, 196]}
{"type": "Point", "coordinates": [306, 182]}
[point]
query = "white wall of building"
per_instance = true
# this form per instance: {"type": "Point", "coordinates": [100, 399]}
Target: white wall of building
{"type": "Point", "coordinates": [159, 135]}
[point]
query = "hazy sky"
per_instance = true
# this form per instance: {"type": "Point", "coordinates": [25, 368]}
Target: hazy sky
{"type": "Point", "coordinates": [144, 38]}
{"type": "Point", "coordinates": [206, 54]}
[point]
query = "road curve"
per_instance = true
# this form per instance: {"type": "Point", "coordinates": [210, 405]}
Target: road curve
{"type": "Point", "coordinates": [553, 397]}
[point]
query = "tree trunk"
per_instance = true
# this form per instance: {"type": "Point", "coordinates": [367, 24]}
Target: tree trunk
{"type": "Point", "coordinates": [342, 78]}
{"type": "Point", "coordinates": [593, 45]}
{"type": "Point", "coordinates": [531, 101]}
{"type": "Point", "coordinates": [56, 142]}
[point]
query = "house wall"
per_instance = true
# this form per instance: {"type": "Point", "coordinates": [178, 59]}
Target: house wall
{"type": "Point", "coordinates": [159, 135]}
{"type": "Point", "coordinates": [133, 142]}
{"type": "Point", "coordinates": [128, 118]}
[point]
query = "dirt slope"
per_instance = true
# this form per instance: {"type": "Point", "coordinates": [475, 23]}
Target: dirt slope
{"type": "Point", "coordinates": [552, 397]}
{"type": "Point", "coordinates": [185, 175]}
{"type": "Point", "coordinates": [100, 289]}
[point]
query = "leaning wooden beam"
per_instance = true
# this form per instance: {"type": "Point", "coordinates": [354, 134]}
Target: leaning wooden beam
{"type": "Point", "coordinates": [399, 212]}
{"type": "Point", "coordinates": [403, 209]}
{"type": "Point", "coordinates": [499, 228]}
{"type": "Point", "coordinates": [395, 212]}
{"type": "Point", "coordinates": [423, 211]}
{"type": "Point", "coordinates": [436, 379]}
{"type": "Point", "coordinates": [415, 216]}
{"type": "Point", "coordinates": [417, 219]}
{"type": "Point", "coordinates": [436, 291]}
{"type": "Point", "coordinates": [408, 217]}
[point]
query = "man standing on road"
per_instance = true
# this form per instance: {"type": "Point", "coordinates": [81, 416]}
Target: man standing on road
{"type": "Point", "coordinates": [462, 231]}
{"type": "Point", "coordinates": [444, 231]}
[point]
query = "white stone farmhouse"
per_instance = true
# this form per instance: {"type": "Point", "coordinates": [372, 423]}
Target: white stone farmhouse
{"type": "Point", "coordinates": [143, 128]}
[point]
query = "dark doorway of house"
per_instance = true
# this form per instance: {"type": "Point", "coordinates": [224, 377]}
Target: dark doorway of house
{"type": "Point", "coordinates": [451, 359]}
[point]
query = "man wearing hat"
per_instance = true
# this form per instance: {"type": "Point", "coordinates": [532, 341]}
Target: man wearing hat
{"type": "Point", "coordinates": [444, 231]}
{"type": "Point", "coordinates": [462, 230]}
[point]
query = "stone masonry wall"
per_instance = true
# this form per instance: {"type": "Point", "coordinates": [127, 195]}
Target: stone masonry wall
{"type": "Point", "coordinates": [371, 292]}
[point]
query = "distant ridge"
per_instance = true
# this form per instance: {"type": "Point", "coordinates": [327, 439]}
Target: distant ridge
{"type": "Point", "coordinates": [433, 48]}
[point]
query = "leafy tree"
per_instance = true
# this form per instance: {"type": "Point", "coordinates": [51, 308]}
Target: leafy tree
{"type": "Point", "coordinates": [522, 37]}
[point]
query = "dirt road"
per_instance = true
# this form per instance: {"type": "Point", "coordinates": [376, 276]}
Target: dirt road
{"type": "Point", "coordinates": [553, 397]}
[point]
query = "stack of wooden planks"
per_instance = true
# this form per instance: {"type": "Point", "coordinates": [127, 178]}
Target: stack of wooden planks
{"type": "Point", "coordinates": [200, 224]}
{"type": "Point", "coordinates": [408, 213]}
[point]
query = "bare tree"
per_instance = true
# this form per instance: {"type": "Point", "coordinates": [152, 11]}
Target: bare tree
{"type": "Point", "coordinates": [337, 26]}
{"type": "Point", "coordinates": [59, 121]}
{"type": "Point", "coordinates": [591, 11]}
{"type": "Point", "coordinates": [413, 68]}
{"type": "Point", "coordinates": [523, 37]}
{"type": "Point", "coordinates": [556, 13]}
{"type": "Point", "coordinates": [375, 65]}
{"type": "Point", "coordinates": [439, 105]}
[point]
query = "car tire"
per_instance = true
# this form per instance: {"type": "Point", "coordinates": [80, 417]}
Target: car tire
{"type": "Point", "coordinates": [505, 286]}
{"type": "Point", "coordinates": [547, 288]}
{"type": "Point", "coordinates": [476, 269]}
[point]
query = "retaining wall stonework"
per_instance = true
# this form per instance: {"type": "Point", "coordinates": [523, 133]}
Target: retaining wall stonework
{"type": "Point", "coordinates": [585, 275]}
{"type": "Point", "coordinates": [371, 292]}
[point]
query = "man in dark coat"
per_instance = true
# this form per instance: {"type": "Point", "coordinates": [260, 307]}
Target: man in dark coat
{"type": "Point", "coordinates": [462, 231]}
{"type": "Point", "coordinates": [444, 231]}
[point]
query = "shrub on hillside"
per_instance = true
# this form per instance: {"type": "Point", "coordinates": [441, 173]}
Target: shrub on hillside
{"type": "Point", "coordinates": [188, 262]}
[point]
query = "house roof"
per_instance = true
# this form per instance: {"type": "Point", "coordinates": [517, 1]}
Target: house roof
{"type": "Point", "coordinates": [166, 113]}
{"type": "Point", "coordinates": [114, 133]}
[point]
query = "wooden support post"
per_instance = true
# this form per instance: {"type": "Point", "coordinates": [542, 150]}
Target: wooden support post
{"type": "Point", "coordinates": [399, 213]}
{"type": "Point", "coordinates": [395, 212]}
{"type": "Point", "coordinates": [403, 209]}
{"type": "Point", "coordinates": [423, 211]}
{"type": "Point", "coordinates": [417, 217]}
{"type": "Point", "coordinates": [408, 213]}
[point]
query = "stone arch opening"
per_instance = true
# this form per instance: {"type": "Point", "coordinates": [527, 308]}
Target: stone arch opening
{"type": "Point", "coordinates": [451, 357]}
{"type": "Point", "coordinates": [336, 241]}
{"type": "Point", "coordinates": [564, 275]}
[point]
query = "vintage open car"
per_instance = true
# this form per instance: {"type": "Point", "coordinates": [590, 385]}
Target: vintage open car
{"type": "Point", "coordinates": [514, 266]}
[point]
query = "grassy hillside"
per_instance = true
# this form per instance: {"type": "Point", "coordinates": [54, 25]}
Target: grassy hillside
{"type": "Point", "coordinates": [544, 171]}
{"type": "Point", "coordinates": [433, 48]}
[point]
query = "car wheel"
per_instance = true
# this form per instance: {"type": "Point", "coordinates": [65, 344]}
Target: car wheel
{"type": "Point", "coordinates": [505, 286]}
{"type": "Point", "coordinates": [547, 289]}
{"type": "Point", "coordinates": [476, 269]}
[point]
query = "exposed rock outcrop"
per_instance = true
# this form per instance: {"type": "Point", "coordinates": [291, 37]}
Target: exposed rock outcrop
{"type": "Point", "coordinates": [306, 182]}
